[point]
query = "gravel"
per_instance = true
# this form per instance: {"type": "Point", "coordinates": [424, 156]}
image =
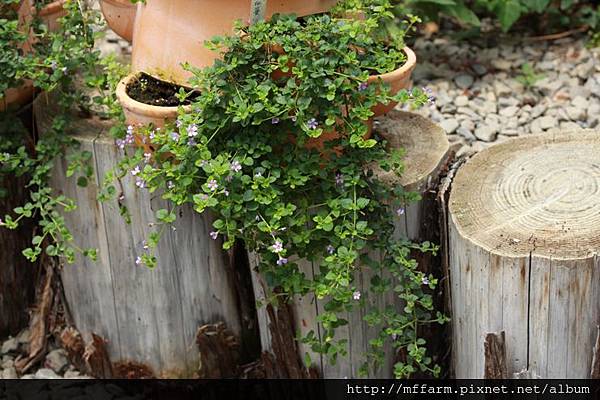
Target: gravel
{"type": "Point", "coordinates": [481, 97]}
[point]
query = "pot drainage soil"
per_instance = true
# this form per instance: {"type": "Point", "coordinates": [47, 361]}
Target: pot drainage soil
{"type": "Point", "coordinates": [155, 92]}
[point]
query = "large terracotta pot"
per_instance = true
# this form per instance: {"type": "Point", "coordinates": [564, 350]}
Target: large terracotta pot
{"type": "Point", "coordinates": [137, 113]}
{"type": "Point", "coordinates": [16, 97]}
{"type": "Point", "coordinates": [120, 16]}
{"type": "Point", "coordinates": [398, 80]}
{"type": "Point", "coordinates": [168, 33]}
{"type": "Point", "coordinates": [50, 14]}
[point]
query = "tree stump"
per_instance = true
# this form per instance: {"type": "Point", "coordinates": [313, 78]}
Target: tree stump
{"type": "Point", "coordinates": [17, 275]}
{"type": "Point", "coordinates": [523, 254]}
{"type": "Point", "coordinates": [149, 317]}
{"type": "Point", "coordinates": [427, 151]}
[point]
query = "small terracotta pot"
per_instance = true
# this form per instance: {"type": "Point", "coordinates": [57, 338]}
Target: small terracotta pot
{"type": "Point", "coordinates": [137, 113]}
{"type": "Point", "coordinates": [50, 14]}
{"type": "Point", "coordinates": [120, 16]}
{"type": "Point", "coordinates": [168, 33]}
{"type": "Point", "coordinates": [398, 79]}
{"type": "Point", "coordinates": [17, 97]}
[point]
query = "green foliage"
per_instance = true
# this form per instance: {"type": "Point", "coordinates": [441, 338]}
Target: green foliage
{"type": "Point", "coordinates": [246, 153]}
{"type": "Point", "coordinates": [528, 76]}
{"type": "Point", "coordinates": [52, 65]}
{"type": "Point", "coordinates": [506, 12]}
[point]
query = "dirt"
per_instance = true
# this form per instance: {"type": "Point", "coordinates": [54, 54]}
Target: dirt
{"type": "Point", "coordinates": [155, 92]}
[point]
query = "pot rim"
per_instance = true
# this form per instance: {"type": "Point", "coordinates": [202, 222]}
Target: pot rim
{"type": "Point", "coordinates": [407, 67]}
{"type": "Point", "coordinates": [52, 8]}
{"type": "Point", "coordinates": [120, 3]}
{"type": "Point", "coordinates": [138, 107]}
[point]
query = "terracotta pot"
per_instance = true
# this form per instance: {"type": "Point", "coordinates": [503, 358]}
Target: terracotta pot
{"type": "Point", "coordinates": [120, 16]}
{"type": "Point", "coordinates": [50, 14]}
{"type": "Point", "coordinates": [17, 97]}
{"type": "Point", "coordinates": [398, 80]}
{"type": "Point", "coordinates": [168, 33]}
{"type": "Point", "coordinates": [137, 113]}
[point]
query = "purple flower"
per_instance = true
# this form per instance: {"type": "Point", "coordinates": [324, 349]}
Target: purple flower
{"type": "Point", "coordinates": [400, 211]}
{"type": "Point", "coordinates": [274, 120]}
{"type": "Point", "coordinates": [152, 135]}
{"type": "Point", "coordinates": [147, 156]}
{"type": "Point", "coordinates": [339, 179]}
{"type": "Point", "coordinates": [330, 249]}
{"type": "Point", "coordinates": [53, 65]}
{"type": "Point", "coordinates": [277, 247]}
{"type": "Point", "coordinates": [191, 142]}
{"type": "Point", "coordinates": [282, 261]}
{"type": "Point", "coordinates": [120, 143]}
{"type": "Point", "coordinates": [213, 185]}
{"type": "Point", "coordinates": [136, 170]}
{"type": "Point", "coordinates": [139, 182]}
{"type": "Point", "coordinates": [214, 235]}
{"type": "Point", "coordinates": [138, 260]}
{"type": "Point", "coordinates": [192, 130]}
{"type": "Point", "coordinates": [175, 136]}
{"type": "Point", "coordinates": [430, 95]}
{"type": "Point", "coordinates": [362, 86]}
{"type": "Point", "coordinates": [170, 185]}
{"type": "Point", "coordinates": [312, 123]}
{"type": "Point", "coordinates": [226, 192]}
{"type": "Point", "coordinates": [129, 130]}
{"type": "Point", "coordinates": [178, 123]}
{"type": "Point", "coordinates": [356, 295]}
{"type": "Point", "coordinates": [235, 166]}
{"type": "Point", "coordinates": [1, 222]}
{"type": "Point", "coordinates": [425, 280]}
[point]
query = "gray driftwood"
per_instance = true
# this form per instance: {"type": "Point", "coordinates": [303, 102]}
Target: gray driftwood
{"type": "Point", "coordinates": [524, 236]}
{"type": "Point", "coordinates": [427, 153]}
{"type": "Point", "coordinates": [149, 317]}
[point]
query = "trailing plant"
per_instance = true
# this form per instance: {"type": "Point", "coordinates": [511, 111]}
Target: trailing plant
{"type": "Point", "coordinates": [58, 60]}
{"type": "Point", "coordinates": [249, 153]}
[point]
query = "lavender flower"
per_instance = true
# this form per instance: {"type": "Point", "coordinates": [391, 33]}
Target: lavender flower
{"type": "Point", "coordinates": [175, 136]}
{"type": "Point", "coordinates": [53, 65]}
{"type": "Point", "coordinates": [147, 157]}
{"type": "Point", "coordinates": [339, 179]}
{"type": "Point", "coordinates": [235, 166]}
{"type": "Point", "coordinates": [277, 247]}
{"type": "Point", "coordinates": [274, 120]}
{"type": "Point", "coordinates": [191, 142]}
{"type": "Point", "coordinates": [282, 261]}
{"type": "Point", "coordinates": [152, 135]}
{"type": "Point", "coordinates": [139, 182]}
{"type": "Point", "coordinates": [312, 123]}
{"type": "Point", "coordinates": [178, 123]}
{"type": "Point", "coordinates": [138, 260]}
{"type": "Point", "coordinates": [213, 185]}
{"type": "Point", "coordinates": [356, 295]}
{"type": "Point", "coordinates": [430, 95]}
{"type": "Point", "coordinates": [170, 185]}
{"type": "Point", "coordinates": [362, 86]}
{"type": "Point", "coordinates": [136, 170]}
{"type": "Point", "coordinates": [214, 235]}
{"type": "Point", "coordinates": [192, 130]}
{"type": "Point", "coordinates": [425, 280]}
{"type": "Point", "coordinates": [120, 143]}
{"type": "Point", "coordinates": [400, 211]}
{"type": "Point", "coordinates": [330, 249]}
{"type": "Point", "coordinates": [226, 192]}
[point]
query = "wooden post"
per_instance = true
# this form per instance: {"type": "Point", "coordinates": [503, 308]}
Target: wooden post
{"type": "Point", "coordinates": [427, 153]}
{"type": "Point", "coordinates": [524, 237]}
{"type": "Point", "coordinates": [149, 317]}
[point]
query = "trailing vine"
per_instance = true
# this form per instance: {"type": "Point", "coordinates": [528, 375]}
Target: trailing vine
{"type": "Point", "coordinates": [249, 152]}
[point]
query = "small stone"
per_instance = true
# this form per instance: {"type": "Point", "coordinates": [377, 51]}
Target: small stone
{"type": "Point", "coordinates": [503, 65]}
{"type": "Point", "coordinates": [510, 132]}
{"type": "Point", "coordinates": [461, 101]}
{"type": "Point", "coordinates": [23, 336]}
{"type": "Point", "coordinates": [10, 373]}
{"type": "Point", "coordinates": [46, 373]}
{"type": "Point", "coordinates": [466, 134]}
{"type": "Point", "coordinates": [7, 363]}
{"type": "Point", "coordinates": [57, 360]}
{"type": "Point", "coordinates": [501, 89]}
{"type": "Point", "coordinates": [580, 102]}
{"type": "Point", "coordinates": [465, 151]}
{"type": "Point", "coordinates": [486, 133]}
{"type": "Point", "coordinates": [575, 113]}
{"type": "Point", "coordinates": [538, 110]}
{"type": "Point", "coordinates": [509, 111]}
{"type": "Point", "coordinates": [569, 126]}
{"type": "Point", "coordinates": [449, 125]}
{"type": "Point", "coordinates": [72, 374]}
{"type": "Point", "coordinates": [464, 81]}
{"type": "Point", "coordinates": [10, 346]}
{"type": "Point", "coordinates": [479, 69]}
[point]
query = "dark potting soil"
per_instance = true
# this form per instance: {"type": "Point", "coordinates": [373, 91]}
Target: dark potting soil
{"type": "Point", "coordinates": [149, 90]}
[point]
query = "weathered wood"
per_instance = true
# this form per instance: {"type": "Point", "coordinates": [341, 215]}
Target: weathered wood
{"type": "Point", "coordinates": [219, 352]}
{"type": "Point", "coordinates": [495, 356]}
{"type": "Point", "coordinates": [149, 317]}
{"type": "Point", "coordinates": [17, 275]}
{"type": "Point", "coordinates": [595, 373]}
{"type": "Point", "coordinates": [427, 152]}
{"type": "Point", "coordinates": [523, 254]}
{"type": "Point", "coordinates": [96, 358]}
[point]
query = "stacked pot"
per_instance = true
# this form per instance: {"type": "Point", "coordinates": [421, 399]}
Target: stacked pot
{"type": "Point", "coordinates": [168, 33]}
